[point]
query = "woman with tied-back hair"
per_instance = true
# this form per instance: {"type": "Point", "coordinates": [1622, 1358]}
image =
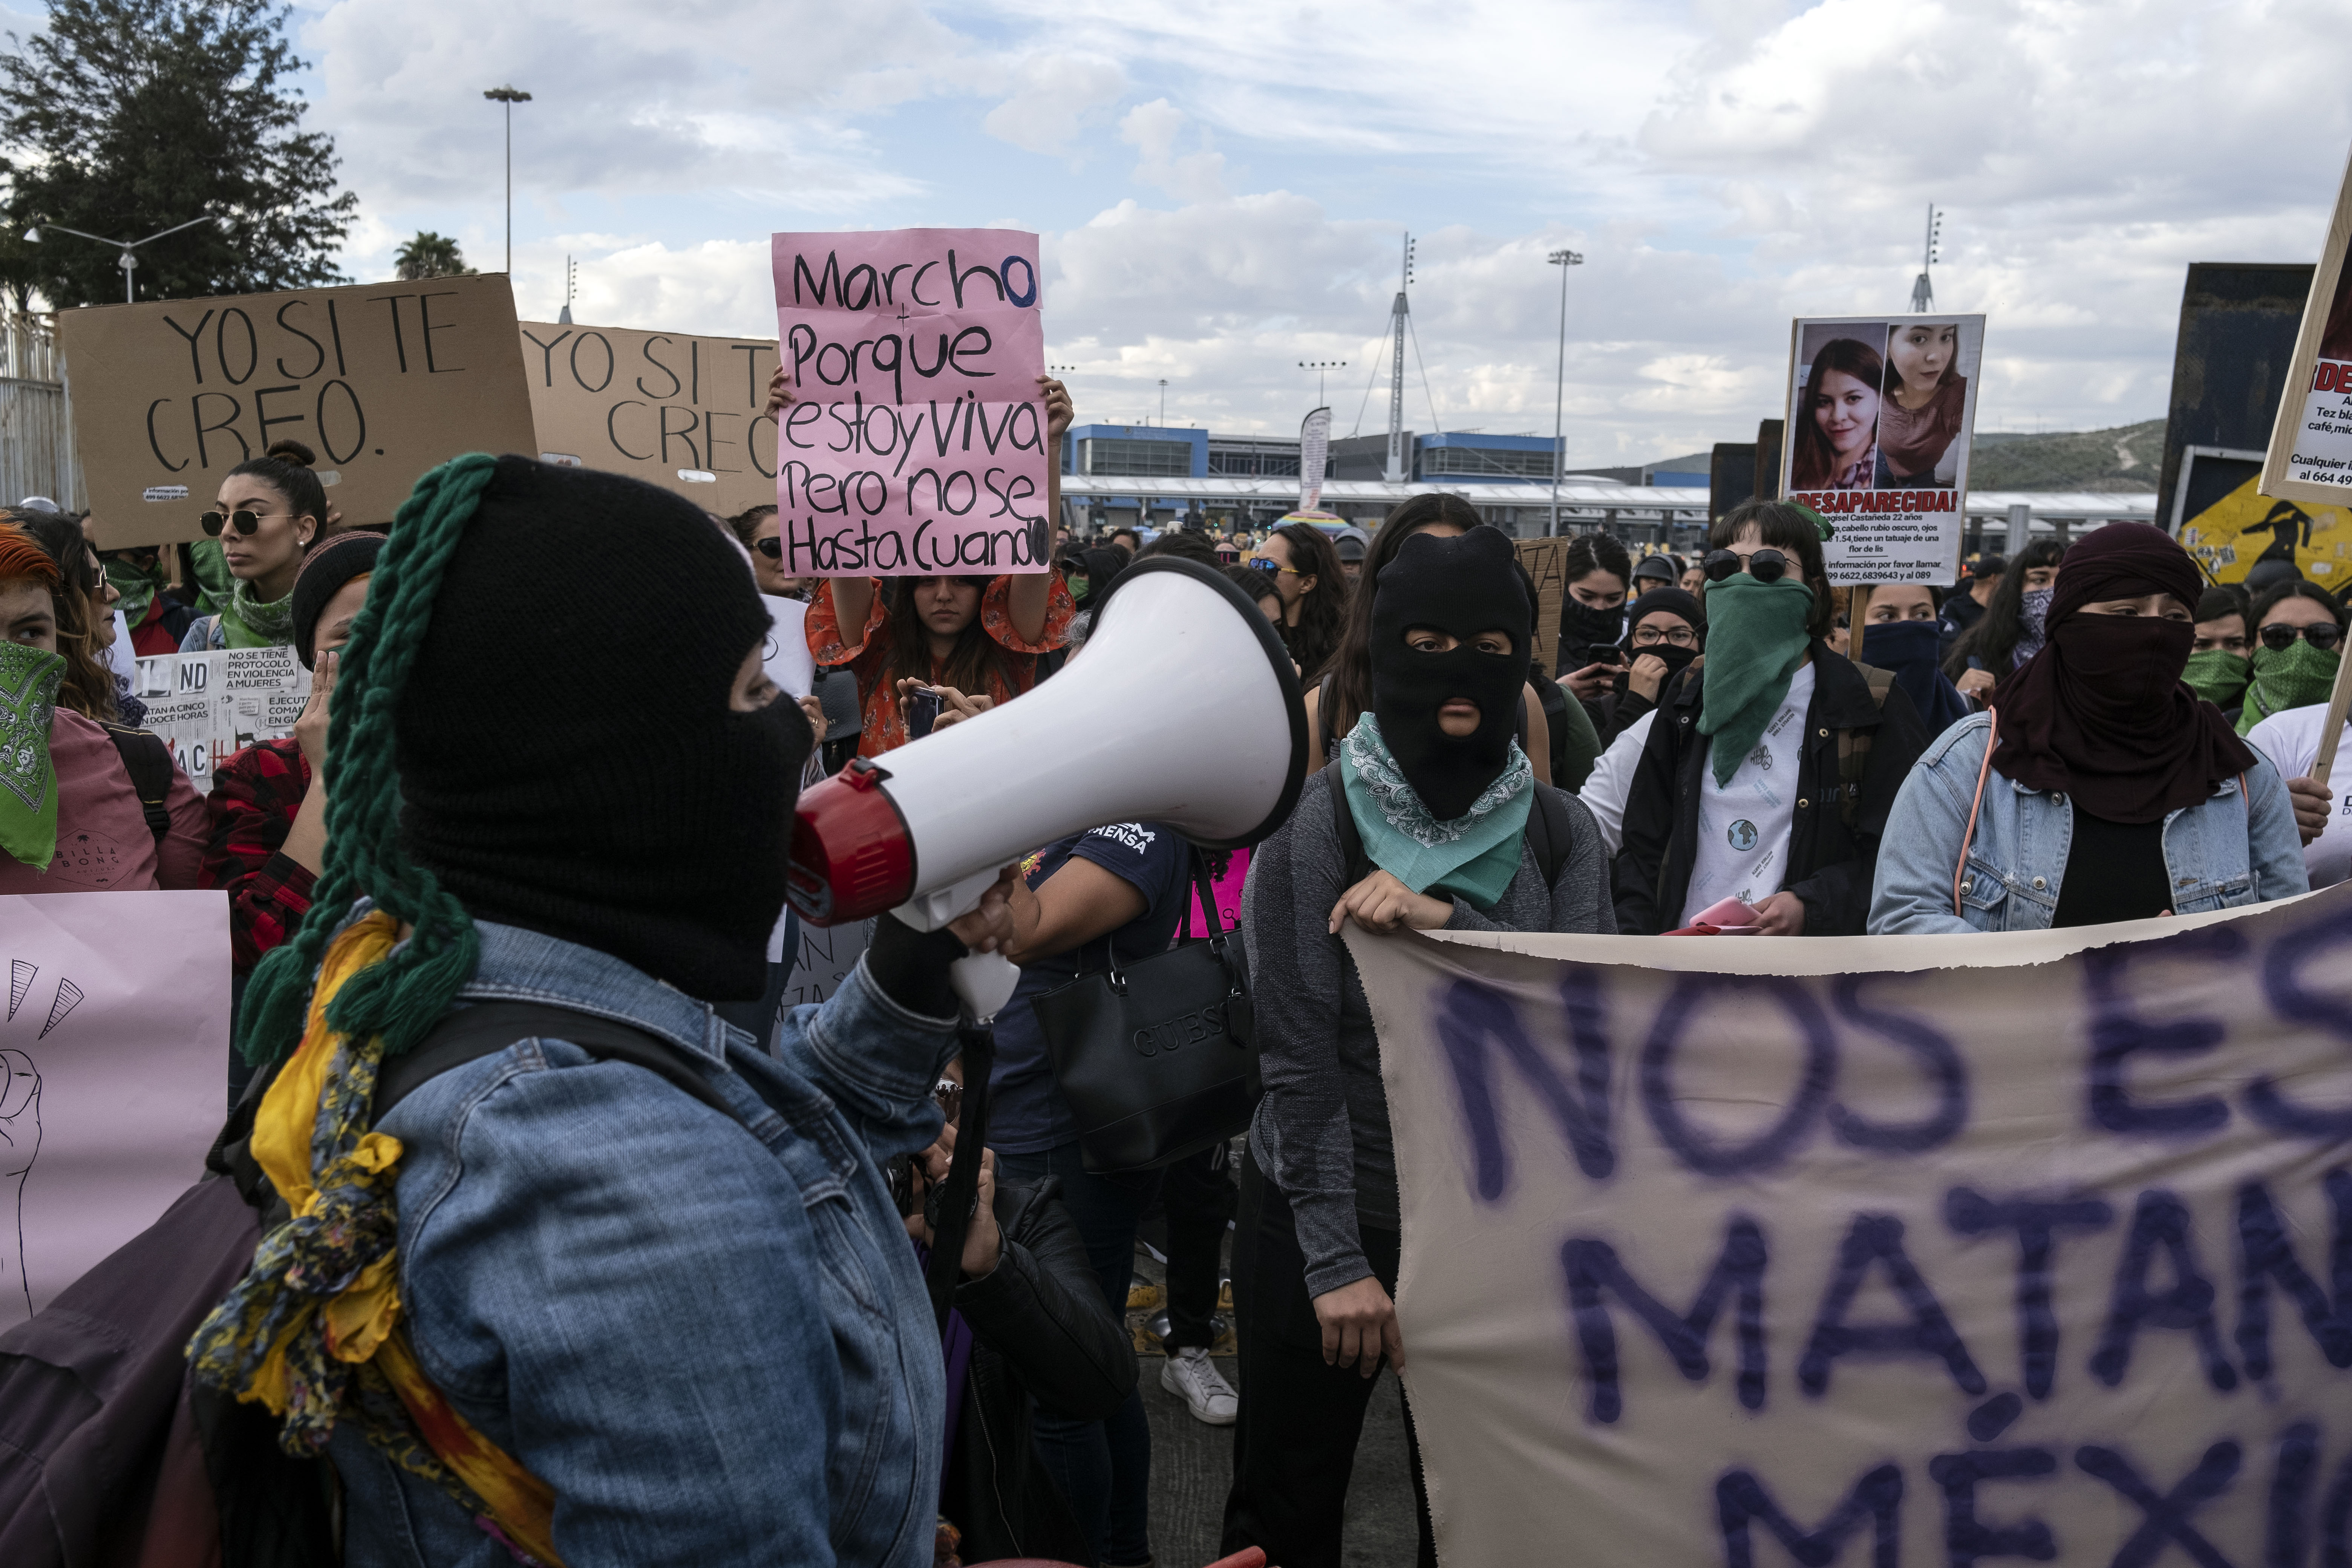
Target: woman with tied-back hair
{"type": "Point", "coordinates": [268, 512]}
{"type": "Point", "coordinates": [1837, 423]}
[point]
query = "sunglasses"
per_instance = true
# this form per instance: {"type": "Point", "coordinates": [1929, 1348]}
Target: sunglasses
{"type": "Point", "coordinates": [772, 547]}
{"type": "Point", "coordinates": [2324, 634]}
{"type": "Point", "coordinates": [1765, 565]}
{"type": "Point", "coordinates": [246, 522]}
{"type": "Point", "coordinates": [948, 1094]}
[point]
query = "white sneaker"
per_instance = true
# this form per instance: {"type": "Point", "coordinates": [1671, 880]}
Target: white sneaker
{"type": "Point", "coordinates": [1191, 1374]}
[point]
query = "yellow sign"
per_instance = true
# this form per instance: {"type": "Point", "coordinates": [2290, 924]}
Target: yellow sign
{"type": "Point", "coordinates": [2245, 526]}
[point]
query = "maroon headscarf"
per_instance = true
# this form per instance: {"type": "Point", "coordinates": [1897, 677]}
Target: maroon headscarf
{"type": "Point", "coordinates": [2100, 713]}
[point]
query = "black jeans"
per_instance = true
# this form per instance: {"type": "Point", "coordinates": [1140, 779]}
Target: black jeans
{"type": "Point", "coordinates": [1294, 1440]}
{"type": "Point", "coordinates": [1196, 1193]}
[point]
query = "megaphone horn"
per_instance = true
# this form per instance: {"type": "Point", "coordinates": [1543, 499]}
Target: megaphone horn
{"type": "Point", "coordinates": [1181, 709]}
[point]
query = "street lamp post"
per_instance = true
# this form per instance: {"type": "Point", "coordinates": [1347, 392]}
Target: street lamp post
{"type": "Point", "coordinates": [510, 95]}
{"type": "Point", "coordinates": [1563, 259]}
{"type": "Point", "coordinates": [129, 261]}
{"type": "Point", "coordinates": [1321, 367]}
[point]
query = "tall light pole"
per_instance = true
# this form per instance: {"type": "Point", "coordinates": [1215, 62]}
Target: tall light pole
{"type": "Point", "coordinates": [1321, 366]}
{"type": "Point", "coordinates": [1563, 259]}
{"type": "Point", "coordinates": [1923, 292]}
{"type": "Point", "coordinates": [127, 261]}
{"type": "Point", "coordinates": [1163, 402]}
{"type": "Point", "coordinates": [510, 95]}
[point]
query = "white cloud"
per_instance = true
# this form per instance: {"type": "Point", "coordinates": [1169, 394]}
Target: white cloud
{"type": "Point", "coordinates": [1056, 97]}
{"type": "Point", "coordinates": [1155, 128]}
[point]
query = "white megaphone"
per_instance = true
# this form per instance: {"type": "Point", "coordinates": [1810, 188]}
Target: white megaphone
{"type": "Point", "coordinates": [1181, 709]}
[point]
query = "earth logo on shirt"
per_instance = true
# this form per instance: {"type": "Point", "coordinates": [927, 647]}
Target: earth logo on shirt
{"type": "Point", "coordinates": [1742, 835]}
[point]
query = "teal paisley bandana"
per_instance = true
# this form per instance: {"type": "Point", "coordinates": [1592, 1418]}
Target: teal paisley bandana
{"type": "Point", "coordinates": [1473, 857]}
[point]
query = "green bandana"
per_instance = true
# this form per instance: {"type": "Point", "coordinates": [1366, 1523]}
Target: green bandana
{"type": "Point", "coordinates": [249, 622]}
{"type": "Point", "coordinates": [212, 580]}
{"type": "Point", "coordinates": [2218, 676]}
{"type": "Point", "coordinates": [2293, 677]}
{"type": "Point", "coordinates": [1756, 640]}
{"type": "Point", "coordinates": [28, 781]}
{"type": "Point", "coordinates": [138, 587]}
{"type": "Point", "coordinates": [1475, 856]}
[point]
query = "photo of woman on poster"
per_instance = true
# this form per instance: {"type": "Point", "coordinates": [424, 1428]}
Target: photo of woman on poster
{"type": "Point", "coordinates": [1926, 403]}
{"type": "Point", "coordinates": [1835, 435]}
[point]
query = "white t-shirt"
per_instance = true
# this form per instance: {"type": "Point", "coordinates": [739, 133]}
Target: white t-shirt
{"type": "Point", "coordinates": [1612, 780]}
{"type": "Point", "coordinates": [2290, 741]}
{"type": "Point", "coordinates": [1743, 826]}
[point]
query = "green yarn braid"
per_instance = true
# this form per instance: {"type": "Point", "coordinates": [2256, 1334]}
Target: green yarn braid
{"type": "Point", "coordinates": [403, 996]}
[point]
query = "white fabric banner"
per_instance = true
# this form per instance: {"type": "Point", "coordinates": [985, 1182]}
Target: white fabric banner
{"type": "Point", "coordinates": [113, 1074]}
{"type": "Point", "coordinates": [1885, 1250]}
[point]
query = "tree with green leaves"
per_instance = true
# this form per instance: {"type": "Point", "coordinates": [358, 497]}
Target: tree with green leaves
{"type": "Point", "coordinates": [429, 254]}
{"type": "Point", "coordinates": [126, 117]}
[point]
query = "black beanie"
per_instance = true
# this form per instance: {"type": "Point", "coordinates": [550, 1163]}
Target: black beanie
{"type": "Point", "coordinates": [324, 572]}
{"type": "Point", "coordinates": [1461, 586]}
{"type": "Point", "coordinates": [616, 801]}
{"type": "Point", "coordinates": [1672, 601]}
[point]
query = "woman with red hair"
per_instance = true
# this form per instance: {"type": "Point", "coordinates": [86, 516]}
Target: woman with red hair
{"type": "Point", "coordinates": [72, 819]}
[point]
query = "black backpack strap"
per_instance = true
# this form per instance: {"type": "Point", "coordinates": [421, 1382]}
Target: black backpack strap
{"type": "Point", "coordinates": [149, 763]}
{"type": "Point", "coordinates": [1548, 833]}
{"type": "Point", "coordinates": [1323, 718]}
{"type": "Point", "coordinates": [488, 1027]}
{"type": "Point", "coordinates": [1358, 864]}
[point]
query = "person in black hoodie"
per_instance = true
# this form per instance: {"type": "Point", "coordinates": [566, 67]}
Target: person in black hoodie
{"type": "Point", "coordinates": [1772, 764]}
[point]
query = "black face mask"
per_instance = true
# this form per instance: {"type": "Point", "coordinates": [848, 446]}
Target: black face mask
{"type": "Point", "coordinates": [1675, 659]}
{"type": "Point", "coordinates": [1581, 626]}
{"type": "Point", "coordinates": [1462, 586]}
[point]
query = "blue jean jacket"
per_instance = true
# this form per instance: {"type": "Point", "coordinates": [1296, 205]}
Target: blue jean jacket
{"type": "Point", "coordinates": [2229, 850]}
{"type": "Point", "coordinates": [710, 1340]}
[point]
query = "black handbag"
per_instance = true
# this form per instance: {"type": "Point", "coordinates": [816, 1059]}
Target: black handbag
{"type": "Point", "coordinates": [1157, 1059]}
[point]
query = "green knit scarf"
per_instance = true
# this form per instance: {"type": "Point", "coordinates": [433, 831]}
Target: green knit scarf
{"type": "Point", "coordinates": [403, 996]}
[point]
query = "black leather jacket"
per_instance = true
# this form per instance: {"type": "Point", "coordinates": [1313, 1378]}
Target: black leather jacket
{"type": "Point", "coordinates": [1040, 1330]}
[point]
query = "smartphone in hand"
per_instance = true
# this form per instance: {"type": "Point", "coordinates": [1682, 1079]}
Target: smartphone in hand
{"type": "Point", "coordinates": [922, 712]}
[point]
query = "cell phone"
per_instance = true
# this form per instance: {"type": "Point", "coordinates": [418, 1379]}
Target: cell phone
{"type": "Point", "coordinates": [922, 712]}
{"type": "Point", "coordinates": [1603, 653]}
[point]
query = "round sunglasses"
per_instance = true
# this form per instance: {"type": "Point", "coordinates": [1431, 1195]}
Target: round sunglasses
{"type": "Point", "coordinates": [2322, 635]}
{"type": "Point", "coordinates": [1765, 565]}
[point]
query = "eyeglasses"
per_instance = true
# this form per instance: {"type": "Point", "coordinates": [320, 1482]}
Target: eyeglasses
{"type": "Point", "coordinates": [1765, 565]}
{"type": "Point", "coordinates": [949, 1096]}
{"type": "Point", "coordinates": [772, 547]}
{"type": "Point", "coordinates": [2320, 635]}
{"type": "Point", "coordinates": [246, 522]}
{"type": "Point", "coordinates": [1650, 637]}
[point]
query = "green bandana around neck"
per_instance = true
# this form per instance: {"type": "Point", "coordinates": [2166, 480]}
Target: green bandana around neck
{"type": "Point", "coordinates": [249, 622]}
{"type": "Point", "coordinates": [1755, 639]}
{"type": "Point", "coordinates": [2296, 675]}
{"type": "Point", "coordinates": [1475, 856]}
{"type": "Point", "coordinates": [137, 586]}
{"type": "Point", "coordinates": [2218, 676]}
{"type": "Point", "coordinates": [213, 581]}
{"type": "Point", "coordinates": [28, 780]}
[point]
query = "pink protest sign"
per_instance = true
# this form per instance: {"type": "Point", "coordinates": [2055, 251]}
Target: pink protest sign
{"type": "Point", "coordinates": [915, 441]}
{"type": "Point", "coordinates": [113, 1069]}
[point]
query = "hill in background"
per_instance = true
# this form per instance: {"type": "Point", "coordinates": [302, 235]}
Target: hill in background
{"type": "Point", "coordinates": [2124, 459]}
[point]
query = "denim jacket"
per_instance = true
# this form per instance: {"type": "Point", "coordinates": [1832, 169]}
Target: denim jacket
{"type": "Point", "coordinates": [2233, 848]}
{"type": "Point", "coordinates": [711, 1341]}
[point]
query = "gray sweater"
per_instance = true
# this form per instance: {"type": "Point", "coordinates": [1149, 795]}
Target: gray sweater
{"type": "Point", "coordinates": [1321, 1134]}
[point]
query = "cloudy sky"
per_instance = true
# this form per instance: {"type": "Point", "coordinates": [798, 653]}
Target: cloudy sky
{"type": "Point", "coordinates": [1221, 185]}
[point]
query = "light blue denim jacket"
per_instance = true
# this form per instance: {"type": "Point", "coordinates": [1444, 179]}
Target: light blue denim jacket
{"type": "Point", "coordinates": [2229, 850]}
{"type": "Point", "coordinates": [711, 1341]}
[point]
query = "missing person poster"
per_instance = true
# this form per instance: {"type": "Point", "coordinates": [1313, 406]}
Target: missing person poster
{"type": "Point", "coordinates": [686, 412]}
{"type": "Point", "coordinates": [2310, 457]}
{"type": "Point", "coordinates": [380, 382]}
{"type": "Point", "coordinates": [915, 441]}
{"type": "Point", "coordinates": [1881, 410]}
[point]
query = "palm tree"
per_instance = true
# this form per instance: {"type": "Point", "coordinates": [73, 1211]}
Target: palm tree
{"type": "Point", "coordinates": [429, 254]}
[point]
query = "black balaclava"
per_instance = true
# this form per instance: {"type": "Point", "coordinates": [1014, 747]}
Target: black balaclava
{"type": "Point", "coordinates": [618, 803]}
{"type": "Point", "coordinates": [1582, 627]}
{"type": "Point", "coordinates": [1464, 586]}
{"type": "Point", "coordinates": [1672, 601]}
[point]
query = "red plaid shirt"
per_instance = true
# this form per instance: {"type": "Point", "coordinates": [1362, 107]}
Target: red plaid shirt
{"type": "Point", "coordinates": [256, 793]}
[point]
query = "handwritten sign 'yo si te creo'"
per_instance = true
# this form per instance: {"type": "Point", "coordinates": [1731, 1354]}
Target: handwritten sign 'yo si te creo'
{"type": "Point", "coordinates": [686, 412]}
{"type": "Point", "coordinates": [1890, 1251]}
{"type": "Point", "coordinates": [381, 382]}
{"type": "Point", "coordinates": [916, 444]}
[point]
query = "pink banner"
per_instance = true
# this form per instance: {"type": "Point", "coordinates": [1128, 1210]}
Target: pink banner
{"type": "Point", "coordinates": [113, 1074]}
{"type": "Point", "coordinates": [916, 443]}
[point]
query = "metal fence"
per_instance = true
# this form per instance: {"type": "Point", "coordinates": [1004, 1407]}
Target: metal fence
{"type": "Point", "coordinates": [37, 446]}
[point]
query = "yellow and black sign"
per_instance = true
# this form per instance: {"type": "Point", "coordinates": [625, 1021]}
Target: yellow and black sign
{"type": "Point", "coordinates": [2245, 526]}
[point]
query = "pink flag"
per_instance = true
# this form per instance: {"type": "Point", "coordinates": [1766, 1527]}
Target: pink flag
{"type": "Point", "coordinates": [915, 441]}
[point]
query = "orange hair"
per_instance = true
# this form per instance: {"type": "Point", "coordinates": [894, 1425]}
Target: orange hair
{"type": "Point", "coordinates": [20, 557]}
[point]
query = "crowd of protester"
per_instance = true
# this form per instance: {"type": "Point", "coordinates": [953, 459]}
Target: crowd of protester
{"type": "Point", "coordinates": [2072, 736]}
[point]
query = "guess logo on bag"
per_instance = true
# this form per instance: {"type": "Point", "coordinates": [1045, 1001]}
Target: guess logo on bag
{"type": "Point", "coordinates": [1184, 1029]}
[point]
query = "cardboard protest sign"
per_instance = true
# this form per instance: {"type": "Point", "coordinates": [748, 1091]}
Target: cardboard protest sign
{"type": "Point", "coordinates": [206, 705]}
{"type": "Point", "coordinates": [1881, 1250]}
{"type": "Point", "coordinates": [1881, 413]}
{"type": "Point", "coordinates": [2310, 456]}
{"type": "Point", "coordinates": [674, 410]}
{"type": "Point", "coordinates": [381, 381]}
{"type": "Point", "coordinates": [916, 444]}
{"type": "Point", "coordinates": [112, 1056]}
{"type": "Point", "coordinates": [1546, 560]}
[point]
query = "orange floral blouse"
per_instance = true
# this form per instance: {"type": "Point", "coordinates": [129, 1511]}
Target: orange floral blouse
{"type": "Point", "coordinates": [881, 728]}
